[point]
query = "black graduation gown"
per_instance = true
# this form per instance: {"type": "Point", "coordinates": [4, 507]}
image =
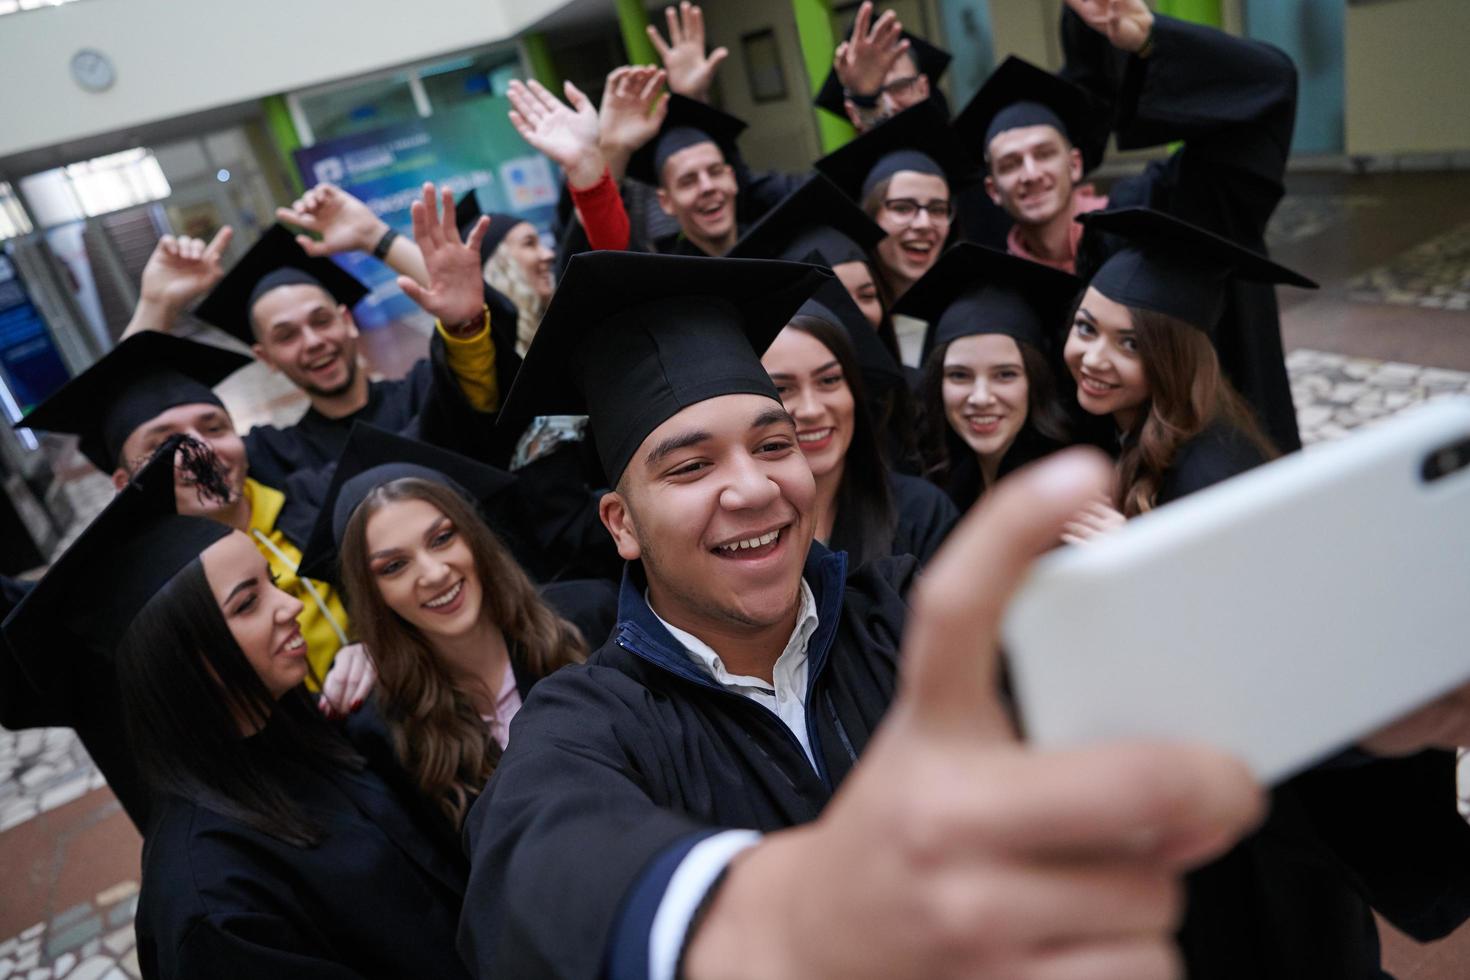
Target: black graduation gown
{"type": "Point", "coordinates": [1218, 453]}
{"type": "Point", "coordinates": [1293, 900]}
{"type": "Point", "coordinates": [1233, 103]}
{"type": "Point", "coordinates": [50, 692]}
{"type": "Point", "coordinates": [638, 754]}
{"type": "Point", "coordinates": [427, 403]}
{"type": "Point", "coordinates": [377, 897]}
{"type": "Point", "coordinates": [923, 517]}
{"type": "Point", "coordinates": [964, 484]}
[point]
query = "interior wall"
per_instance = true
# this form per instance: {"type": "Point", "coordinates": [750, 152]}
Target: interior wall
{"type": "Point", "coordinates": [175, 57]}
{"type": "Point", "coordinates": [783, 133]}
{"type": "Point", "coordinates": [1407, 75]}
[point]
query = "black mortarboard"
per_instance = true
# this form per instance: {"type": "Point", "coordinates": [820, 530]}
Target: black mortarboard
{"type": "Point", "coordinates": [372, 457]}
{"type": "Point", "coordinates": [467, 212]}
{"type": "Point", "coordinates": [142, 377]}
{"type": "Point", "coordinates": [688, 123]}
{"type": "Point", "coordinates": [631, 339]}
{"type": "Point", "coordinates": [977, 290]}
{"type": "Point", "coordinates": [816, 217]}
{"type": "Point", "coordinates": [917, 139]}
{"type": "Point", "coordinates": [274, 260]}
{"type": "Point", "coordinates": [1172, 267]}
{"type": "Point", "coordinates": [833, 303]}
{"type": "Point", "coordinates": [1019, 94]}
{"type": "Point", "coordinates": [930, 60]}
{"type": "Point", "coordinates": [120, 561]}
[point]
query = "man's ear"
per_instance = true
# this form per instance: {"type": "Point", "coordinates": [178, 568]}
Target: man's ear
{"type": "Point", "coordinates": [665, 204]}
{"type": "Point", "coordinates": [120, 478]}
{"type": "Point", "coordinates": [922, 86]}
{"type": "Point", "coordinates": [618, 519]}
{"type": "Point", "coordinates": [1074, 164]}
{"type": "Point", "coordinates": [346, 314]}
{"type": "Point", "coordinates": [990, 190]}
{"type": "Point", "coordinates": [258, 349]}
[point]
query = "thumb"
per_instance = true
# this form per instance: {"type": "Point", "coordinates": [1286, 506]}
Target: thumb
{"type": "Point", "coordinates": [311, 246]}
{"type": "Point", "coordinates": [576, 98]}
{"type": "Point", "coordinates": [716, 56]}
{"type": "Point", "coordinates": [950, 660]}
{"type": "Point", "coordinates": [413, 291]}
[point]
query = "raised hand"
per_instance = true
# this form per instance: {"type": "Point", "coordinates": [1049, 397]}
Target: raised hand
{"type": "Point", "coordinates": [633, 108]}
{"type": "Point", "coordinates": [690, 70]}
{"type": "Point", "coordinates": [455, 291]}
{"type": "Point", "coordinates": [343, 223]}
{"type": "Point", "coordinates": [1126, 24]}
{"type": "Point", "coordinates": [566, 134]}
{"type": "Point", "coordinates": [951, 850]}
{"type": "Point", "coordinates": [181, 269]}
{"type": "Point", "coordinates": [863, 61]}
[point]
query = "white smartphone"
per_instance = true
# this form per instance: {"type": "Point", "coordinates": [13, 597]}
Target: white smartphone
{"type": "Point", "coordinates": [1281, 615]}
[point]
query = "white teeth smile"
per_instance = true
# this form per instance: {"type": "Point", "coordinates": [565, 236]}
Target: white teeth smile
{"type": "Point", "coordinates": [324, 362]}
{"type": "Point", "coordinates": [984, 419]}
{"type": "Point", "coordinates": [447, 597]}
{"type": "Point", "coordinates": [816, 436]}
{"type": "Point", "coordinates": [748, 543]}
{"type": "Point", "coordinates": [295, 643]}
{"type": "Point", "coordinates": [1092, 384]}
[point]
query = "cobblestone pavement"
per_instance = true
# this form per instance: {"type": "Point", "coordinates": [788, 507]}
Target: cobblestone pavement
{"type": "Point", "coordinates": [1302, 216]}
{"type": "Point", "coordinates": [1434, 275]}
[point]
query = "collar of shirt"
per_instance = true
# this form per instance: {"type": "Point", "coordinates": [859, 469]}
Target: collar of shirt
{"type": "Point", "coordinates": [1085, 199]}
{"type": "Point", "coordinates": [507, 703]}
{"type": "Point", "coordinates": [785, 672]}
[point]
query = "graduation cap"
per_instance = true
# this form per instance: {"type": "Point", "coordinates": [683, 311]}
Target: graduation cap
{"type": "Point", "coordinates": [1020, 94]}
{"type": "Point", "coordinates": [142, 377]}
{"type": "Point", "coordinates": [632, 339]}
{"type": "Point", "coordinates": [372, 457]}
{"type": "Point", "coordinates": [917, 139]}
{"type": "Point", "coordinates": [931, 61]}
{"type": "Point", "coordinates": [816, 217]}
{"type": "Point", "coordinates": [1172, 267]}
{"type": "Point", "coordinates": [833, 303]}
{"type": "Point", "coordinates": [274, 260]}
{"type": "Point", "coordinates": [977, 290]}
{"type": "Point", "coordinates": [467, 212]}
{"type": "Point", "coordinates": [689, 122]}
{"type": "Point", "coordinates": [121, 560]}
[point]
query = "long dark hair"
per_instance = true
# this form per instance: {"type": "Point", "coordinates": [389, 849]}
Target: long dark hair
{"type": "Point", "coordinates": [1187, 393]}
{"type": "Point", "coordinates": [186, 688]}
{"type": "Point", "coordinates": [437, 734]}
{"type": "Point", "coordinates": [865, 511]}
{"type": "Point", "coordinates": [948, 459]}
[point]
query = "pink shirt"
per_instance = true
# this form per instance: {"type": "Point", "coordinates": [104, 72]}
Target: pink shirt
{"type": "Point", "coordinates": [507, 703]}
{"type": "Point", "coordinates": [1084, 199]}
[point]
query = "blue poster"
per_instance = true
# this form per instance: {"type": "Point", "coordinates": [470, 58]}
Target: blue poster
{"type": "Point", "coordinates": [468, 147]}
{"type": "Point", "coordinates": [30, 366]}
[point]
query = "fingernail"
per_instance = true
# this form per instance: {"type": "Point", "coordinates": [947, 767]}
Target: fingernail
{"type": "Point", "coordinates": [357, 704]}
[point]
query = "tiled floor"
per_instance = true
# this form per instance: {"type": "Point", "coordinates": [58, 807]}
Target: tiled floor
{"type": "Point", "coordinates": [1386, 331]}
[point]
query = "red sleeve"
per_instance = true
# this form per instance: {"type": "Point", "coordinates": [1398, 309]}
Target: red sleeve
{"type": "Point", "coordinates": [603, 216]}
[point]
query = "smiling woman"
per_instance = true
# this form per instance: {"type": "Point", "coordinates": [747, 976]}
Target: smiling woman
{"type": "Point", "coordinates": [264, 821]}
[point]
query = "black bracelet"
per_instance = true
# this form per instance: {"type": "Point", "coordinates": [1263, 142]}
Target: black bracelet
{"type": "Point", "coordinates": [380, 250]}
{"type": "Point", "coordinates": [861, 101]}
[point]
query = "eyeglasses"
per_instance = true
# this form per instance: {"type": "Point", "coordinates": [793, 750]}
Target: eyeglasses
{"type": "Point", "coordinates": [907, 209]}
{"type": "Point", "coordinates": [899, 86]}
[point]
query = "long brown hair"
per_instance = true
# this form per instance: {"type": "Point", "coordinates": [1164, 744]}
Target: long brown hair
{"type": "Point", "coordinates": [1187, 393]}
{"type": "Point", "coordinates": [438, 735]}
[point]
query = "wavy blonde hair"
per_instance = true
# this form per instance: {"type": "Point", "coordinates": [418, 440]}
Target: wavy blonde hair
{"type": "Point", "coordinates": [438, 735]}
{"type": "Point", "coordinates": [504, 274]}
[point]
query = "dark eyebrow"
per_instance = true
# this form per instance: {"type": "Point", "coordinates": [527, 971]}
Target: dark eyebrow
{"type": "Point", "coordinates": [1082, 312]}
{"type": "Point", "coordinates": [246, 584]}
{"type": "Point", "coordinates": [434, 528]}
{"type": "Point", "coordinates": [772, 416]}
{"type": "Point", "coordinates": [673, 444]}
{"type": "Point", "coordinates": [826, 367]}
